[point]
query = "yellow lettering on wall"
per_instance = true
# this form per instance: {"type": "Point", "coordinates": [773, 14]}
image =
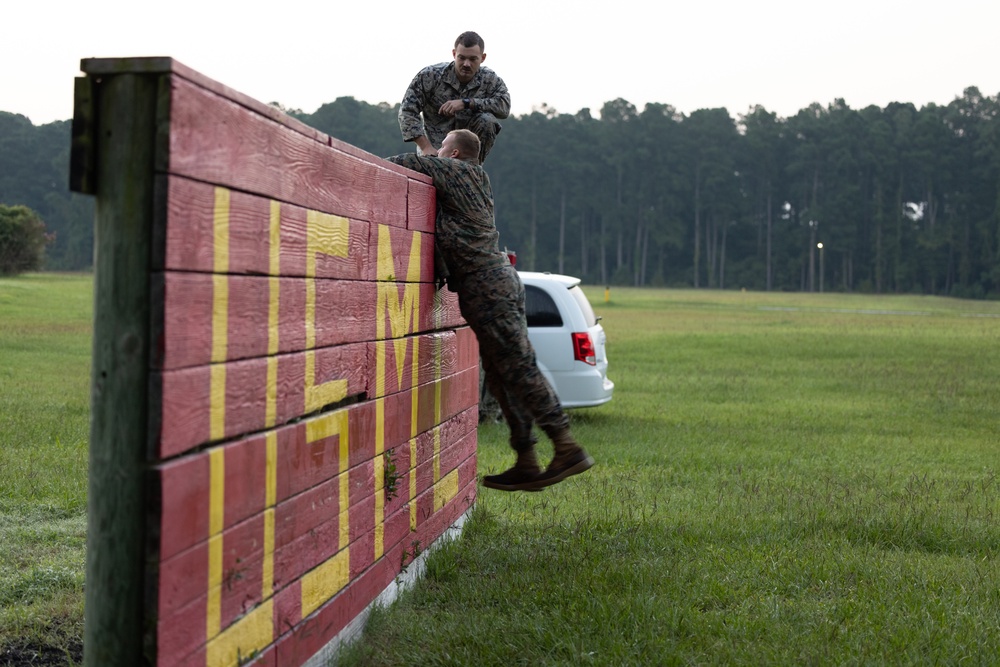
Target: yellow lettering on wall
{"type": "Point", "coordinates": [323, 582]}
{"type": "Point", "coordinates": [397, 319]}
{"type": "Point", "coordinates": [331, 424]}
{"type": "Point", "coordinates": [250, 634]}
{"type": "Point", "coordinates": [445, 490]}
{"type": "Point", "coordinates": [328, 235]}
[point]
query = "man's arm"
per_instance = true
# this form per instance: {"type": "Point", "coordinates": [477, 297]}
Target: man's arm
{"type": "Point", "coordinates": [410, 161]}
{"type": "Point", "coordinates": [411, 122]}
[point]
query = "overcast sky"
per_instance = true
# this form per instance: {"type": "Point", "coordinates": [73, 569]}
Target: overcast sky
{"type": "Point", "coordinates": [781, 54]}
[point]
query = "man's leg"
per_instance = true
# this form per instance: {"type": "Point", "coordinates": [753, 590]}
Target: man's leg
{"type": "Point", "coordinates": [495, 311]}
{"type": "Point", "coordinates": [485, 125]}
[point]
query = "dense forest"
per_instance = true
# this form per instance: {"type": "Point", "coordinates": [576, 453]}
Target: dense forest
{"type": "Point", "coordinates": [879, 200]}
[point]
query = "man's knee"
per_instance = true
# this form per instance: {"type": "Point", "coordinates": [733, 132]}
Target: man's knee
{"type": "Point", "coordinates": [487, 127]}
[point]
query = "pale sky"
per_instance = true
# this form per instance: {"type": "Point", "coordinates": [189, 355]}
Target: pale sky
{"type": "Point", "coordinates": [782, 54]}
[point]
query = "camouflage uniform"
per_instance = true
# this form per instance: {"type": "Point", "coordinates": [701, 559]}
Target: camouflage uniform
{"type": "Point", "coordinates": [437, 84]}
{"type": "Point", "coordinates": [490, 295]}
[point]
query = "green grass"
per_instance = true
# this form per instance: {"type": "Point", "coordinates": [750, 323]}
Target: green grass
{"type": "Point", "coordinates": [45, 347]}
{"type": "Point", "coordinates": [781, 479]}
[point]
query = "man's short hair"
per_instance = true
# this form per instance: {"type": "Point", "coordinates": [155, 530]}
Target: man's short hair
{"type": "Point", "coordinates": [467, 143]}
{"type": "Point", "coordinates": [468, 39]}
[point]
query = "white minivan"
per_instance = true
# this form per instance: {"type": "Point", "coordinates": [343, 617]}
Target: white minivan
{"type": "Point", "coordinates": [568, 338]}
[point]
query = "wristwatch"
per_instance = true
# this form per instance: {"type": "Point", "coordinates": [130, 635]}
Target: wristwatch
{"type": "Point", "coordinates": [467, 102]}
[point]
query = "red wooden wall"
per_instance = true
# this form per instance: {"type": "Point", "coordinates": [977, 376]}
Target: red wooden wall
{"type": "Point", "coordinates": [299, 351]}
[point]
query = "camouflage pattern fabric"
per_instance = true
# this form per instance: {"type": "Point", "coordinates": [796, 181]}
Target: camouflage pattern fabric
{"type": "Point", "coordinates": [466, 237]}
{"type": "Point", "coordinates": [437, 84]}
{"type": "Point", "coordinates": [490, 296]}
{"type": "Point", "coordinates": [492, 302]}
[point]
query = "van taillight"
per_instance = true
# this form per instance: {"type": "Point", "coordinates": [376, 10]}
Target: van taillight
{"type": "Point", "coordinates": [583, 348]}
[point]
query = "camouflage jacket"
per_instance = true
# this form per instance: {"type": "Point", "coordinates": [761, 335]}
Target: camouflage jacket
{"type": "Point", "coordinates": [466, 236]}
{"type": "Point", "coordinates": [437, 84]}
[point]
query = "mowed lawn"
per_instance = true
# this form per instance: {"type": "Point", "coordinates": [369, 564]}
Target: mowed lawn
{"type": "Point", "coordinates": [46, 322]}
{"type": "Point", "coordinates": [781, 479]}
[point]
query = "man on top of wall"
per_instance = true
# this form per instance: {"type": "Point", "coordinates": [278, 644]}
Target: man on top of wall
{"type": "Point", "coordinates": [460, 94]}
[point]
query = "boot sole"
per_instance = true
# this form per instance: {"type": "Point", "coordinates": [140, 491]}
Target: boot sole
{"type": "Point", "coordinates": [522, 486]}
{"type": "Point", "coordinates": [544, 481]}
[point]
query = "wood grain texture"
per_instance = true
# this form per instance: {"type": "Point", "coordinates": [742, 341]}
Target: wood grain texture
{"type": "Point", "coordinates": [189, 235]}
{"type": "Point", "coordinates": [216, 140]}
{"type": "Point", "coordinates": [344, 313]}
{"type": "Point", "coordinates": [187, 394]}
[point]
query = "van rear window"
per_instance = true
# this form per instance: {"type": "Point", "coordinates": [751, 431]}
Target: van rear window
{"type": "Point", "coordinates": [540, 309]}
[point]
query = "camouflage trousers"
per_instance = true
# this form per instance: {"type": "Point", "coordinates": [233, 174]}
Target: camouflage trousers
{"type": "Point", "coordinates": [485, 125]}
{"type": "Point", "coordinates": [492, 302]}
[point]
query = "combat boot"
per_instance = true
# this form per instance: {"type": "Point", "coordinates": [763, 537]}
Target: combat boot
{"type": "Point", "coordinates": [518, 478]}
{"type": "Point", "coordinates": [569, 459]}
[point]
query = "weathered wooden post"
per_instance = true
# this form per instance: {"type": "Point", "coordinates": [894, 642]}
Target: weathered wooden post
{"type": "Point", "coordinates": [284, 407]}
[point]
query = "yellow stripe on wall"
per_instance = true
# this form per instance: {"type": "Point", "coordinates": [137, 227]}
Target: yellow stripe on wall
{"type": "Point", "coordinates": [324, 393]}
{"type": "Point", "coordinates": [251, 634]}
{"type": "Point", "coordinates": [271, 393]}
{"type": "Point", "coordinates": [336, 423]}
{"type": "Point", "coordinates": [380, 369]}
{"type": "Point", "coordinates": [413, 483]}
{"type": "Point", "coordinates": [437, 379]}
{"type": "Point", "coordinates": [379, 506]}
{"type": "Point", "coordinates": [220, 317]}
{"type": "Point", "coordinates": [217, 402]}
{"type": "Point", "coordinates": [445, 490]}
{"type": "Point", "coordinates": [216, 520]}
{"type": "Point", "coordinates": [270, 498]}
{"type": "Point", "coordinates": [385, 266]}
{"type": "Point", "coordinates": [414, 394]}
{"type": "Point", "coordinates": [323, 582]}
{"type": "Point", "coordinates": [220, 314]}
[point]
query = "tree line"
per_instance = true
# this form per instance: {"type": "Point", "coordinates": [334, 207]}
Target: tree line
{"type": "Point", "coordinates": [894, 199]}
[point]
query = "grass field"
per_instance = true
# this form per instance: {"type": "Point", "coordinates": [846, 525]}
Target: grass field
{"type": "Point", "coordinates": [45, 337]}
{"type": "Point", "coordinates": [781, 479]}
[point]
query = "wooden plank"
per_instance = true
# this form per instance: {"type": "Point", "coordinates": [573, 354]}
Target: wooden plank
{"type": "Point", "coordinates": [241, 404]}
{"type": "Point", "coordinates": [166, 65]}
{"type": "Point", "coordinates": [253, 154]}
{"type": "Point", "coordinates": [343, 313]}
{"type": "Point", "coordinates": [401, 255]}
{"type": "Point", "coordinates": [252, 221]}
{"type": "Point", "coordinates": [421, 205]}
